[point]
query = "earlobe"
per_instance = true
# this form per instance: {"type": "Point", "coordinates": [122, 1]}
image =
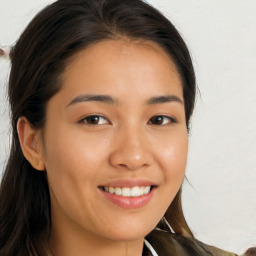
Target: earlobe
{"type": "Point", "coordinates": [30, 142]}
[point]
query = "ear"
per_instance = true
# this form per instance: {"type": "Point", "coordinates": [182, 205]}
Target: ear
{"type": "Point", "coordinates": [31, 143]}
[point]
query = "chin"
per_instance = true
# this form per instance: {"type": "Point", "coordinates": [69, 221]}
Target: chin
{"type": "Point", "coordinates": [129, 233]}
{"type": "Point", "coordinates": [127, 237]}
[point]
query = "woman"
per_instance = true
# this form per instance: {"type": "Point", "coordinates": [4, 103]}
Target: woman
{"type": "Point", "coordinates": [101, 94]}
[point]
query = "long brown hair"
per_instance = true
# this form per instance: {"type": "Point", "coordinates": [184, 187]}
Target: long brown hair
{"type": "Point", "coordinates": [38, 59]}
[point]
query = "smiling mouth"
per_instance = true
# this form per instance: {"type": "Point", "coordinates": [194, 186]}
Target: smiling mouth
{"type": "Point", "coordinates": [128, 191]}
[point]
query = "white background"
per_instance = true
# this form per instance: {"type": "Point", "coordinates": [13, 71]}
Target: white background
{"type": "Point", "coordinates": [221, 36]}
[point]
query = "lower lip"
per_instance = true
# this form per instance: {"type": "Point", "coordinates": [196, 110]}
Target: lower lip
{"type": "Point", "coordinates": [129, 202]}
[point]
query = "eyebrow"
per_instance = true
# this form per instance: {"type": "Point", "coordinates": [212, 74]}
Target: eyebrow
{"type": "Point", "coordinates": [164, 99]}
{"type": "Point", "coordinates": [92, 97]}
{"type": "Point", "coordinates": [114, 101]}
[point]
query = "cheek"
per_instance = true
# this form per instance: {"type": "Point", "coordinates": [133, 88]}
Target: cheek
{"type": "Point", "coordinates": [71, 158]}
{"type": "Point", "coordinates": [173, 160]}
{"type": "Point", "coordinates": [74, 163]}
{"type": "Point", "coordinates": [72, 152]}
{"type": "Point", "coordinates": [175, 155]}
{"type": "Point", "coordinates": [172, 153]}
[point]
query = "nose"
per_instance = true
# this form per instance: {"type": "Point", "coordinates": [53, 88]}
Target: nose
{"type": "Point", "coordinates": [131, 151]}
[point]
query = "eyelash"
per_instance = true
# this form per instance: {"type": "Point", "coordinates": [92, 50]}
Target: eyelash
{"type": "Point", "coordinates": [169, 119]}
{"type": "Point", "coordinates": [93, 116]}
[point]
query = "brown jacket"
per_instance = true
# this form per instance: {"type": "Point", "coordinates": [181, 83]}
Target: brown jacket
{"type": "Point", "coordinates": [166, 243]}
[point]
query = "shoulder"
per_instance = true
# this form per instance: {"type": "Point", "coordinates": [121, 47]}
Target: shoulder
{"type": "Point", "coordinates": [250, 252]}
{"type": "Point", "coordinates": [167, 243]}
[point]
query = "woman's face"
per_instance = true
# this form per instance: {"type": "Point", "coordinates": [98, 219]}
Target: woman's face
{"type": "Point", "coordinates": [117, 124]}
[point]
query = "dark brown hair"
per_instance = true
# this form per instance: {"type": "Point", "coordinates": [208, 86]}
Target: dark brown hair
{"type": "Point", "coordinates": [39, 57]}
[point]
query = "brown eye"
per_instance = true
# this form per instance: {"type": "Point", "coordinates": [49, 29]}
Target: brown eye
{"type": "Point", "coordinates": [161, 120]}
{"type": "Point", "coordinates": [94, 120]}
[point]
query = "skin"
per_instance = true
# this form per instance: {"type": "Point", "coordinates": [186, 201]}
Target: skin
{"type": "Point", "coordinates": [125, 144]}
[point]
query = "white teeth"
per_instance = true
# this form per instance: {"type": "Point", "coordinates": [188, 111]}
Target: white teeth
{"type": "Point", "coordinates": [146, 190]}
{"type": "Point", "coordinates": [118, 191]}
{"type": "Point", "coordinates": [128, 192]}
{"type": "Point", "coordinates": [111, 190]}
{"type": "Point", "coordinates": [135, 191]}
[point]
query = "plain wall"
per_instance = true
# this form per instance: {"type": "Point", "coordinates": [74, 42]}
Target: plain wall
{"type": "Point", "coordinates": [221, 35]}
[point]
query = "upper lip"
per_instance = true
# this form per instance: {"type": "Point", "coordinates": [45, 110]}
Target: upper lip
{"type": "Point", "coordinates": [129, 183]}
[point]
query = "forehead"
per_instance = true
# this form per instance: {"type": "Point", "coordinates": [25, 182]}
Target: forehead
{"type": "Point", "coordinates": [122, 66]}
